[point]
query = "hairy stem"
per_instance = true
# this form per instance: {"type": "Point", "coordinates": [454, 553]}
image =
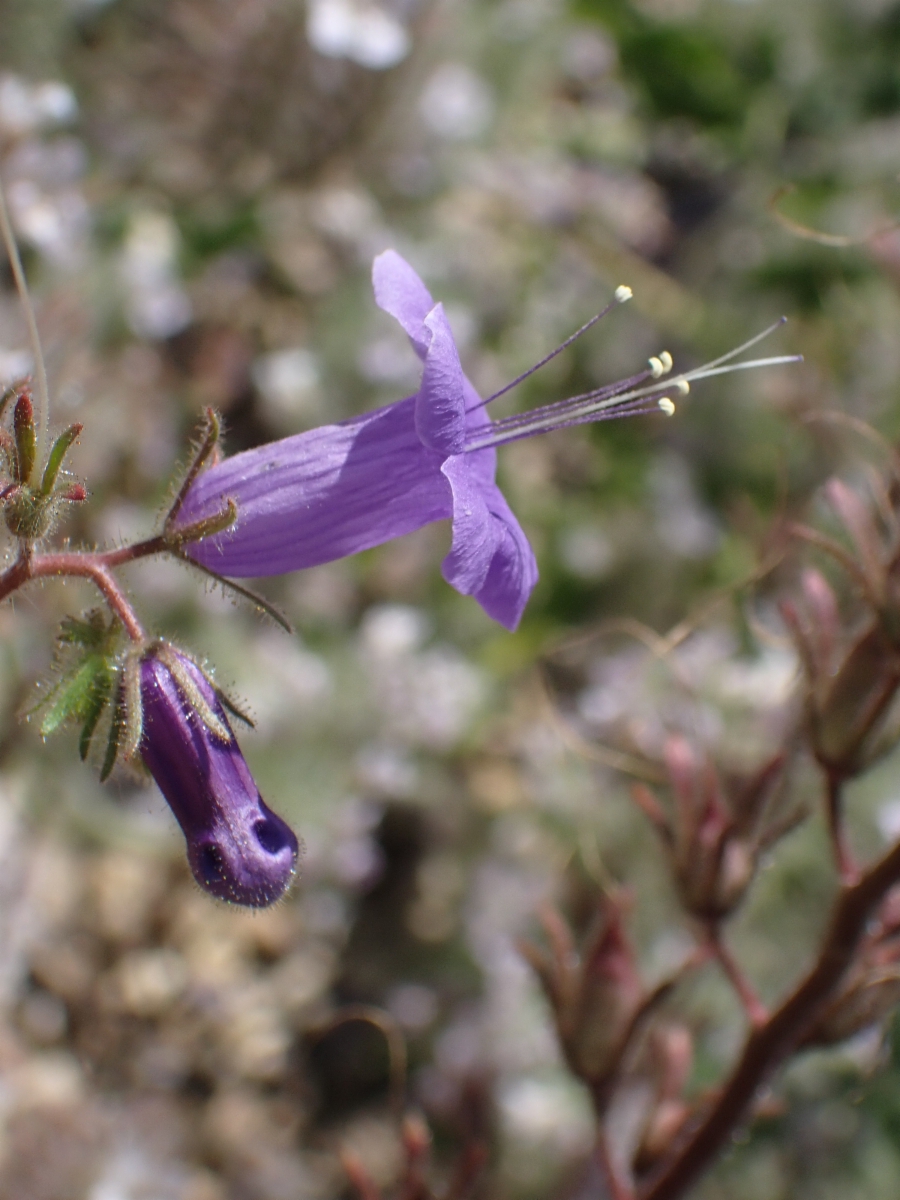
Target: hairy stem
{"type": "Point", "coordinates": [770, 1044]}
{"type": "Point", "coordinates": [85, 566]}
{"type": "Point", "coordinates": [40, 373]}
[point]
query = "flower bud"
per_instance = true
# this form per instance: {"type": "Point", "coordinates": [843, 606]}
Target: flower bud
{"type": "Point", "coordinates": [238, 849]}
{"type": "Point", "coordinates": [718, 827]}
{"type": "Point", "coordinates": [595, 995]}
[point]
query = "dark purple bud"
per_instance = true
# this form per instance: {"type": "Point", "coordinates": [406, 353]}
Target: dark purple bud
{"type": "Point", "coordinates": [239, 850]}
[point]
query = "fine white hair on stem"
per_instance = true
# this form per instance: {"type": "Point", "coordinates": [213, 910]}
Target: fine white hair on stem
{"type": "Point", "coordinates": [42, 396]}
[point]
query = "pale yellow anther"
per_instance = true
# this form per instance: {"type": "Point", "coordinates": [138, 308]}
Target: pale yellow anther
{"type": "Point", "coordinates": [666, 360]}
{"type": "Point", "coordinates": [623, 292]}
{"type": "Point", "coordinates": [666, 406]}
{"type": "Point", "coordinates": [657, 367]}
{"type": "Point", "coordinates": [683, 386]}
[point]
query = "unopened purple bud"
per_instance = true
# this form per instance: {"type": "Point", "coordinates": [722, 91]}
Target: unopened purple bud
{"type": "Point", "coordinates": [239, 850]}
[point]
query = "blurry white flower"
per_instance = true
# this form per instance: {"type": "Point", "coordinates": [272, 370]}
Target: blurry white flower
{"type": "Point", "coordinates": [364, 33]}
{"type": "Point", "coordinates": [14, 364]}
{"type": "Point", "coordinates": [389, 630]}
{"type": "Point", "coordinates": [456, 103]}
{"type": "Point", "coordinates": [288, 381]}
{"type": "Point", "coordinates": [53, 222]}
{"type": "Point", "coordinates": [26, 107]}
{"type": "Point", "coordinates": [156, 306]}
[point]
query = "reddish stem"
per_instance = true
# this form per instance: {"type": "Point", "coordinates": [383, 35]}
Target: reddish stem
{"type": "Point", "coordinates": [770, 1044]}
{"type": "Point", "coordinates": [756, 1012]}
{"type": "Point", "coordinates": [837, 830]}
{"type": "Point", "coordinates": [619, 1188]}
{"type": "Point", "coordinates": [86, 566]}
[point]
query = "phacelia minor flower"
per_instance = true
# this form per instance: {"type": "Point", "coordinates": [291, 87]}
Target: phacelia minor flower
{"type": "Point", "coordinates": [338, 489]}
{"type": "Point", "coordinates": [238, 849]}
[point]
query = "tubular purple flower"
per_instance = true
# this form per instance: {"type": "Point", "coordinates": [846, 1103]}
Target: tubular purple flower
{"type": "Point", "coordinates": [238, 849]}
{"type": "Point", "coordinates": [339, 489]}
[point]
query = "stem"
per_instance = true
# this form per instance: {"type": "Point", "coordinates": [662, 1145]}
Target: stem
{"type": "Point", "coordinates": [40, 373]}
{"type": "Point", "coordinates": [756, 1012]}
{"type": "Point", "coordinates": [86, 566]}
{"type": "Point", "coordinates": [837, 830]}
{"type": "Point", "coordinates": [770, 1044]}
{"type": "Point", "coordinates": [619, 1188]}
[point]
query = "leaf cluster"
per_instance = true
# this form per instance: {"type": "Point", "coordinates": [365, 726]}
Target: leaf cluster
{"type": "Point", "coordinates": [87, 674]}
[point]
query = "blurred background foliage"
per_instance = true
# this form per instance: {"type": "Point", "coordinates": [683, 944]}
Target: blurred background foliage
{"type": "Point", "coordinates": [199, 187]}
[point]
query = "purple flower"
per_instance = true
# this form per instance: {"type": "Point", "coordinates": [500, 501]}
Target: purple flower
{"type": "Point", "coordinates": [338, 489]}
{"type": "Point", "coordinates": [239, 850]}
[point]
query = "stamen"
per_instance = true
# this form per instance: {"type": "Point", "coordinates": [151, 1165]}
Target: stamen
{"type": "Point", "coordinates": [622, 293]}
{"type": "Point", "coordinates": [625, 398]}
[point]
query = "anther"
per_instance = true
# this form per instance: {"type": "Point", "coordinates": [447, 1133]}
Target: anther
{"type": "Point", "coordinates": [623, 292]}
{"type": "Point", "coordinates": [666, 406]}
{"type": "Point", "coordinates": [683, 386]}
{"type": "Point", "coordinates": [658, 366]}
{"type": "Point", "coordinates": [666, 360]}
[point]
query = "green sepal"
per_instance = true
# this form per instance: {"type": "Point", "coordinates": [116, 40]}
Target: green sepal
{"type": "Point", "coordinates": [97, 703]}
{"type": "Point", "coordinates": [26, 436]}
{"type": "Point", "coordinates": [116, 730]}
{"type": "Point", "coordinates": [230, 705]}
{"type": "Point", "coordinates": [12, 391]}
{"type": "Point", "coordinates": [60, 448]}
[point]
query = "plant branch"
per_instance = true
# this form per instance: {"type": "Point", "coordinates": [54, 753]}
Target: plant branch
{"type": "Point", "coordinates": [754, 1009]}
{"type": "Point", "coordinates": [767, 1047]}
{"type": "Point", "coordinates": [619, 1188]}
{"type": "Point", "coordinates": [837, 830]}
{"type": "Point", "coordinates": [86, 566]}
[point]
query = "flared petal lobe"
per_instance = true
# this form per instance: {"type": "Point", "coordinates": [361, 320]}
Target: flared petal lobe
{"type": "Point", "coordinates": [238, 849]}
{"type": "Point", "coordinates": [402, 295]}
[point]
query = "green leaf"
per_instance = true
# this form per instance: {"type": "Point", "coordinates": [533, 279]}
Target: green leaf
{"type": "Point", "coordinates": [94, 630]}
{"type": "Point", "coordinates": [78, 693]}
{"type": "Point", "coordinates": [116, 730]}
{"type": "Point", "coordinates": [103, 685]}
{"type": "Point", "coordinates": [57, 454]}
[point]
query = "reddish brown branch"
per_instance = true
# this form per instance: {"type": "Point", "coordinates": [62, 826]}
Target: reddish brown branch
{"type": "Point", "coordinates": [756, 1012]}
{"type": "Point", "coordinates": [86, 566]}
{"type": "Point", "coordinates": [769, 1045]}
{"type": "Point", "coordinates": [837, 830]}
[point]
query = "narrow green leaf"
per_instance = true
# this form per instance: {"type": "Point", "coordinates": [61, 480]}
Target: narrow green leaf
{"type": "Point", "coordinates": [116, 729]}
{"type": "Point", "coordinates": [98, 701]}
{"type": "Point", "coordinates": [57, 454]}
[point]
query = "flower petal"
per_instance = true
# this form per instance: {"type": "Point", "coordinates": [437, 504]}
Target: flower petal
{"type": "Point", "coordinates": [400, 292]}
{"type": "Point", "coordinates": [490, 557]}
{"type": "Point", "coordinates": [440, 408]}
{"type": "Point", "coordinates": [320, 495]}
